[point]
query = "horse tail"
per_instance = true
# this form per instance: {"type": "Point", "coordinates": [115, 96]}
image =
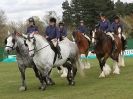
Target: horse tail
{"type": "Point", "coordinates": [79, 65]}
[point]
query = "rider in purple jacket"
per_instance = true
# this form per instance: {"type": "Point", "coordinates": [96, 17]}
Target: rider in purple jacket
{"type": "Point", "coordinates": [53, 35]}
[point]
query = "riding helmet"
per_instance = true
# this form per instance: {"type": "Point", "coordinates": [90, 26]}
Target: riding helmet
{"type": "Point", "coordinates": [61, 23]}
{"type": "Point", "coordinates": [52, 20]}
{"type": "Point", "coordinates": [116, 17]}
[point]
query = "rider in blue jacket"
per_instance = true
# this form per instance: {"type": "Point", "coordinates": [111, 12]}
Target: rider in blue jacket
{"type": "Point", "coordinates": [105, 26]}
{"type": "Point", "coordinates": [82, 28]}
{"type": "Point", "coordinates": [32, 27]}
{"type": "Point", "coordinates": [115, 25]}
{"type": "Point", "coordinates": [62, 30]}
{"type": "Point", "coordinates": [53, 35]}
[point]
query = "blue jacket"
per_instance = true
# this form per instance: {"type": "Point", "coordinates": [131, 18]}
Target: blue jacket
{"type": "Point", "coordinates": [105, 26]}
{"type": "Point", "coordinates": [115, 26]}
{"type": "Point", "coordinates": [63, 32]}
{"type": "Point", "coordinates": [82, 29]}
{"type": "Point", "coordinates": [52, 32]}
{"type": "Point", "coordinates": [32, 29]}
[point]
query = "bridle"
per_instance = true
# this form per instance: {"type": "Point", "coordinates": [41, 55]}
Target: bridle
{"type": "Point", "coordinates": [12, 47]}
{"type": "Point", "coordinates": [35, 45]}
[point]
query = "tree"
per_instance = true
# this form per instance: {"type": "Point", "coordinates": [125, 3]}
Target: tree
{"type": "Point", "coordinates": [67, 18]}
{"type": "Point", "coordinates": [3, 28]}
{"type": "Point", "coordinates": [88, 10]}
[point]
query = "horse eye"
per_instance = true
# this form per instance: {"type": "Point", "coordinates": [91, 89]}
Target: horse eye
{"type": "Point", "coordinates": [5, 41]}
{"type": "Point", "coordinates": [25, 43]}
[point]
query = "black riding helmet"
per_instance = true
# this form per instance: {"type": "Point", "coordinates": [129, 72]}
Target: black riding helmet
{"type": "Point", "coordinates": [102, 15]}
{"type": "Point", "coordinates": [52, 20]}
{"type": "Point", "coordinates": [61, 23]}
{"type": "Point", "coordinates": [31, 20]}
{"type": "Point", "coordinates": [117, 17]}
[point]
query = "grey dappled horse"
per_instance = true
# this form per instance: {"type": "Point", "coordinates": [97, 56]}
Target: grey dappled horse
{"type": "Point", "coordinates": [13, 42]}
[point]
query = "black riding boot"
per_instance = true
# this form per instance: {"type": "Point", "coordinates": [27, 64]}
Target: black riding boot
{"type": "Point", "coordinates": [58, 51]}
{"type": "Point", "coordinates": [124, 44]}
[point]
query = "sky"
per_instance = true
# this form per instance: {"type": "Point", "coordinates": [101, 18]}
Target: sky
{"type": "Point", "coordinates": [20, 10]}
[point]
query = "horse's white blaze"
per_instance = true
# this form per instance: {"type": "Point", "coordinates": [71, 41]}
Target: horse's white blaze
{"type": "Point", "coordinates": [121, 60]}
{"type": "Point", "coordinates": [106, 69]}
{"type": "Point", "coordinates": [93, 37]}
{"type": "Point", "coordinates": [119, 30]}
{"type": "Point", "coordinates": [31, 47]}
{"type": "Point", "coordinates": [116, 68]}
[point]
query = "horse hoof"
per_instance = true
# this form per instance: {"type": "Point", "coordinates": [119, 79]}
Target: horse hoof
{"type": "Point", "coordinates": [22, 88]}
{"type": "Point", "coordinates": [63, 75]}
{"type": "Point", "coordinates": [72, 83]}
{"type": "Point", "coordinates": [102, 75]}
{"type": "Point", "coordinates": [115, 72]}
{"type": "Point", "coordinates": [43, 88]}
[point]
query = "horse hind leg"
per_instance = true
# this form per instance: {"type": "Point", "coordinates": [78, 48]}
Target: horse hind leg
{"type": "Point", "coordinates": [71, 74]}
{"type": "Point", "coordinates": [23, 86]}
{"type": "Point", "coordinates": [116, 67]}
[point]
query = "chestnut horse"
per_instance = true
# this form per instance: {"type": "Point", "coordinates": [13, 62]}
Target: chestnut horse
{"type": "Point", "coordinates": [104, 50]}
{"type": "Point", "coordinates": [83, 44]}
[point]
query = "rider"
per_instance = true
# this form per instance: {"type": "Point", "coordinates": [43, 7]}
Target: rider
{"type": "Point", "coordinates": [32, 28]}
{"type": "Point", "coordinates": [62, 30]}
{"type": "Point", "coordinates": [115, 25]}
{"type": "Point", "coordinates": [104, 25]}
{"type": "Point", "coordinates": [53, 36]}
{"type": "Point", "coordinates": [83, 29]}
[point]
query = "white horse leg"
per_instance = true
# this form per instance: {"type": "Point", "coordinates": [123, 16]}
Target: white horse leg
{"type": "Point", "coordinates": [116, 68]}
{"type": "Point", "coordinates": [121, 60]}
{"type": "Point", "coordinates": [106, 70]}
{"type": "Point", "coordinates": [87, 64]}
{"type": "Point", "coordinates": [82, 60]}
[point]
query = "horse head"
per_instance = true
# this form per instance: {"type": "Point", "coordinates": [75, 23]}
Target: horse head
{"type": "Point", "coordinates": [118, 32]}
{"type": "Point", "coordinates": [30, 43]}
{"type": "Point", "coordinates": [10, 42]}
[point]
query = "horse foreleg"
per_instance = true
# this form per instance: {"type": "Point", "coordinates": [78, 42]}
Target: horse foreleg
{"type": "Point", "coordinates": [121, 60]}
{"type": "Point", "coordinates": [116, 68]}
{"type": "Point", "coordinates": [23, 86]}
{"type": "Point", "coordinates": [106, 70]}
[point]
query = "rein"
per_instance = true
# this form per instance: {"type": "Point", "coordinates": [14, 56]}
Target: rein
{"type": "Point", "coordinates": [39, 49]}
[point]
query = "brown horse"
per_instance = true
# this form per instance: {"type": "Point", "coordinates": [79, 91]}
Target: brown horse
{"type": "Point", "coordinates": [119, 33]}
{"type": "Point", "coordinates": [104, 50]}
{"type": "Point", "coordinates": [83, 44]}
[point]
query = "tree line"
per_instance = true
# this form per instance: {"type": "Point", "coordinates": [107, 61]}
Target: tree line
{"type": "Point", "coordinates": [89, 10]}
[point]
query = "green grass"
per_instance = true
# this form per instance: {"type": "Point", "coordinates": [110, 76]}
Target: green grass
{"type": "Point", "coordinates": [88, 87]}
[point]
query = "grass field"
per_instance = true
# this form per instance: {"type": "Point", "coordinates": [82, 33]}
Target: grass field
{"type": "Point", "coordinates": [88, 87]}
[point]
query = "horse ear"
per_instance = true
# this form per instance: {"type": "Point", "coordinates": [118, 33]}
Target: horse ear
{"type": "Point", "coordinates": [8, 33]}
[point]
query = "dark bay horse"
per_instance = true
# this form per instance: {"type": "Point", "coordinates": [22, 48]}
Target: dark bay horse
{"type": "Point", "coordinates": [104, 49]}
{"type": "Point", "coordinates": [83, 44]}
{"type": "Point", "coordinates": [119, 33]}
